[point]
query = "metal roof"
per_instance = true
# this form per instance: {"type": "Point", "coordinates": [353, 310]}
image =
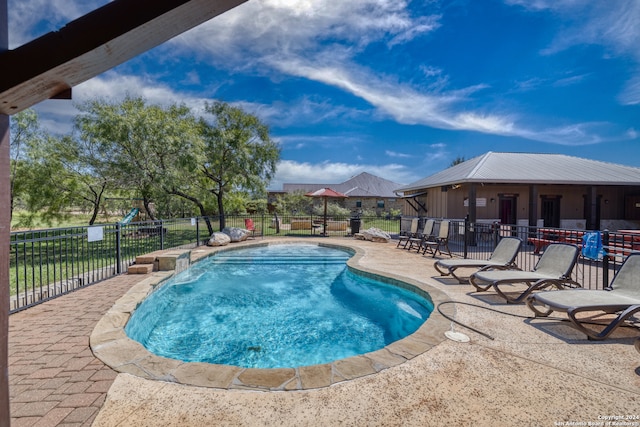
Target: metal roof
{"type": "Point", "coordinates": [530, 168]}
{"type": "Point", "coordinates": [361, 185]}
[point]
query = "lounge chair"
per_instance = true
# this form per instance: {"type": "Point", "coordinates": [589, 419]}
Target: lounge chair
{"type": "Point", "coordinates": [440, 241]}
{"type": "Point", "coordinates": [424, 235]}
{"type": "Point", "coordinates": [552, 270]}
{"type": "Point", "coordinates": [502, 258]}
{"type": "Point", "coordinates": [621, 297]}
{"type": "Point", "coordinates": [404, 238]}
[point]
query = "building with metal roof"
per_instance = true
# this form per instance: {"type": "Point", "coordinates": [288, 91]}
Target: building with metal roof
{"type": "Point", "coordinates": [554, 190]}
{"type": "Point", "coordinates": [364, 191]}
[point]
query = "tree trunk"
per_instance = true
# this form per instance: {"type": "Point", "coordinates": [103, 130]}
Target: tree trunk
{"type": "Point", "coordinates": [196, 202]}
{"type": "Point", "coordinates": [221, 211]}
{"type": "Point", "coordinates": [146, 201]}
{"type": "Point", "coordinates": [96, 203]}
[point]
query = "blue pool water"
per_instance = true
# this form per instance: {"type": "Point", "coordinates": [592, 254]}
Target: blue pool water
{"type": "Point", "coordinates": [274, 306]}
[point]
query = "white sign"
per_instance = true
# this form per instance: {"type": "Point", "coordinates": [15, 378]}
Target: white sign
{"type": "Point", "coordinates": [481, 202]}
{"type": "Point", "coordinates": [95, 234]}
{"type": "Point", "coordinates": [193, 221]}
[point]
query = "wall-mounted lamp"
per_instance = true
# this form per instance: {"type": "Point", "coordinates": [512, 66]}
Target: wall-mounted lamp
{"type": "Point", "coordinates": [606, 201]}
{"type": "Point", "coordinates": [492, 200]}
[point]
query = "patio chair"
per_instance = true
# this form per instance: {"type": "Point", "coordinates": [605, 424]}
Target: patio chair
{"type": "Point", "coordinates": [250, 226]}
{"type": "Point", "coordinates": [441, 241]}
{"type": "Point", "coordinates": [552, 270]}
{"type": "Point", "coordinates": [404, 238]}
{"type": "Point", "coordinates": [622, 298]}
{"type": "Point", "coordinates": [502, 258]}
{"type": "Point", "coordinates": [425, 234]}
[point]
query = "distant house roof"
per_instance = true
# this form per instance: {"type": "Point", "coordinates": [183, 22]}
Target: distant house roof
{"type": "Point", "coordinates": [362, 185]}
{"type": "Point", "coordinates": [530, 168]}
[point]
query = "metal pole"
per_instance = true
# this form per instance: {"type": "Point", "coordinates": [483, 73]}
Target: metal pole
{"type": "Point", "coordinates": [5, 237]}
{"type": "Point", "coordinates": [198, 231]}
{"type": "Point", "coordinates": [605, 259]}
{"type": "Point", "coordinates": [161, 229]}
{"type": "Point", "coordinates": [466, 235]}
{"type": "Point", "coordinates": [118, 249]}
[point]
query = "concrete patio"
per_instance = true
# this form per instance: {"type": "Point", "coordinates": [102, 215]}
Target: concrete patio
{"type": "Point", "coordinates": [533, 372]}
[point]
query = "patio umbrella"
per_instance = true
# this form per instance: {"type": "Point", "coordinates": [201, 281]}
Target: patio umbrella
{"type": "Point", "coordinates": [326, 193]}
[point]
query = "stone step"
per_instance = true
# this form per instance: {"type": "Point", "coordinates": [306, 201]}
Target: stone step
{"type": "Point", "coordinates": [140, 269]}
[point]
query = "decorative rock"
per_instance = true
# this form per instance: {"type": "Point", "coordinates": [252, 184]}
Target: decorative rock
{"type": "Point", "coordinates": [236, 234]}
{"type": "Point", "coordinates": [375, 235]}
{"type": "Point", "coordinates": [219, 239]}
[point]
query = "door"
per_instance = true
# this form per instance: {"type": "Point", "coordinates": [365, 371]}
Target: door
{"type": "Point", "coordinates": [550, 211]}
{"type": "Point", "coordinates": [508, 209]}
{"type": "Point", "coordinates": [508, 214]}
{"type": "Point", "coordinates": [591, 222]}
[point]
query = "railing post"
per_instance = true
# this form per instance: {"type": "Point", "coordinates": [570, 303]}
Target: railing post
{"type": "Point", "coordinates": [466, 236]}
{"type": "Point", "coordinates": [605, 259]}
{"type": "Point", "coordinates": [197, 231]}
{"type": "Point", "coordinates": [118, 249]}
{"type": "Point", "coordinates": [161, 230]}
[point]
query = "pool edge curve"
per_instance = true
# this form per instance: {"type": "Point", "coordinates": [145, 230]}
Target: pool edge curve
{"type": "Point", "coordinates": [113, 347]}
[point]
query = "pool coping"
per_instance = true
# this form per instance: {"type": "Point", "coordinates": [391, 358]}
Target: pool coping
{"type": "Point", "coordinates": [110, 343]}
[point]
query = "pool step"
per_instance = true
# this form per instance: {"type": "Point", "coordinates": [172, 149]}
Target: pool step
{"type": "Point", "coordinates": [270, 260]}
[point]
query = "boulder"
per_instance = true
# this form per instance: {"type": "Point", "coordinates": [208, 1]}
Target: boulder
{"type": "Point", "coordinates": [375, 235]}
{"type": "Point", "coordinates": [236, 234]}
{"type": "Point", "coordinates": [219, 239]}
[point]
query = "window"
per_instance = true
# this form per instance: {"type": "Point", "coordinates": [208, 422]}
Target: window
{"type": "Point", "coordinates": [359, 204]}
{"type": "Point", "coordinates": [381, 204]}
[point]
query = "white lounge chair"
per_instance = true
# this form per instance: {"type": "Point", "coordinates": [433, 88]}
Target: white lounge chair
{"type": "Point", "coordinates": [502, 258]}
{"type": "Point", "coordinates": [552, 270]}
{"type": "Point", "coordinates": [622, 298]}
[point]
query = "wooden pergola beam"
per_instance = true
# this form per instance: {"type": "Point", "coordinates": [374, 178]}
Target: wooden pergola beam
{"type": "Point", "coordinates": [51, 65]}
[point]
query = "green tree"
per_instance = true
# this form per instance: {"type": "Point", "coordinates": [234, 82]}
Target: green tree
{"type": "Point", "coordinates": [144, 144]}
{"type": "Point", "coordinates": [89, 172]}
{"type": "Point", "coordinates": [40, 182]}
{"type": "Point", "coordinates": [236, 153]}
{"type": "Point", "coordinates": [25, 132]}
{"type": "Point", "coordinates": [43, 187]}
{"type": "Point", "coordinates": [457, 161]}
{"type": "Point", "coordinates": [293, 203]}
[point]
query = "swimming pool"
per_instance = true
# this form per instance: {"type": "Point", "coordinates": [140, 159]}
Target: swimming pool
{"type": "Point", "coordinates": [274, 306]}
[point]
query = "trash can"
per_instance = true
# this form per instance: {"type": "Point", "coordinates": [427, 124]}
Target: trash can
{"type": "Point", "coordinates": [355, 225]}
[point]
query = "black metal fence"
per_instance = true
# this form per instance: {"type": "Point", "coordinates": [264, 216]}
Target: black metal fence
{"type": "Point", "coordinates": [49, 263]}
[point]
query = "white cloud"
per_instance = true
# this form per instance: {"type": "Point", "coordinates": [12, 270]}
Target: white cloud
{"type": "Point", "coordinates": [254, 30]}
{"type": "Point", "coordinates": [318, 40]}
{"type": "Point", "coordinates": [630, 94]}
{"type": "Point", "coordinates": [398, 155]}
{"type": "Point", "coordinates": [302, 110]}
{"type": "Point", "coordinates": [57, 115]}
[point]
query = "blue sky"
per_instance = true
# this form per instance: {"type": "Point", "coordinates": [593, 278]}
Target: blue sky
{"type": "Point", "coordinates": [395, 88]}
